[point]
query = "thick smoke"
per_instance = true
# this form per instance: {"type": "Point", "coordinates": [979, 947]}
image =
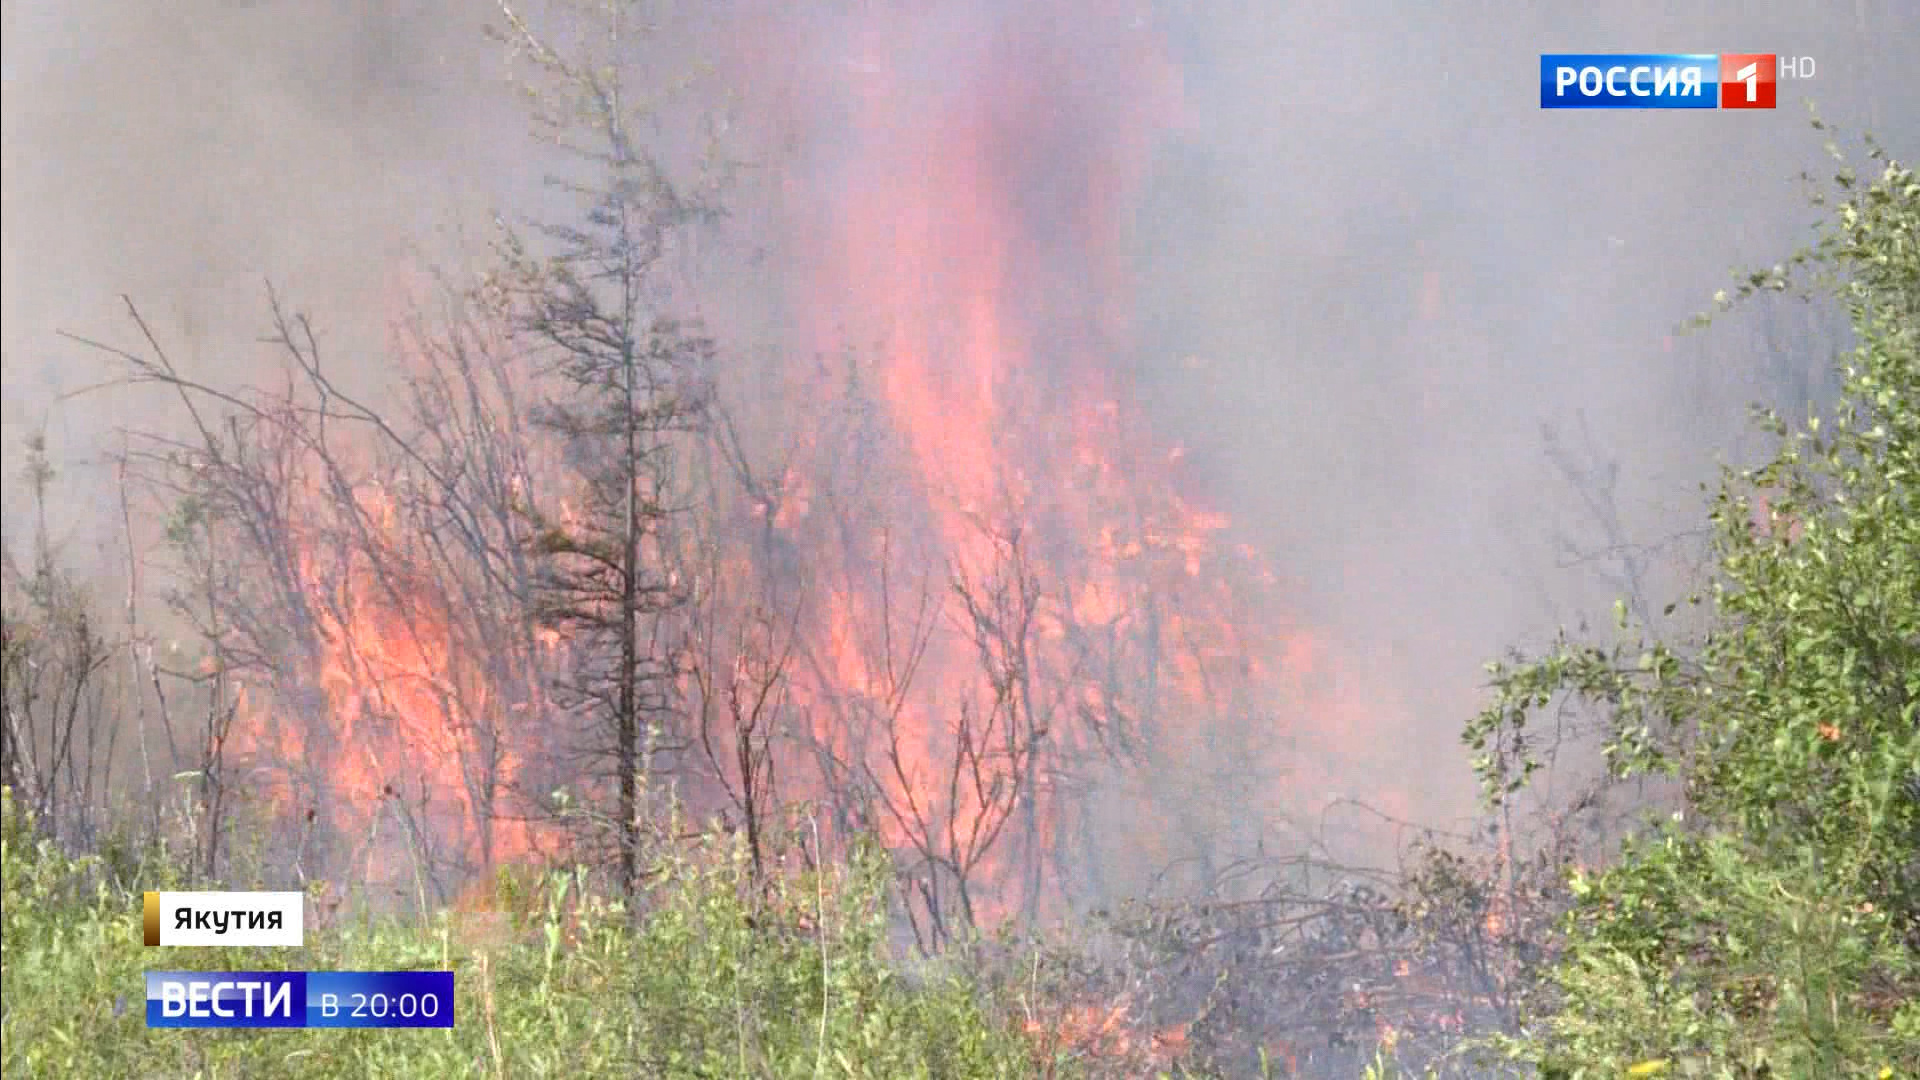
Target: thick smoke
{"type": "Point", "coordinates": [1392, 268]}
{"type": "Point", "coordinates": [1366, 268]}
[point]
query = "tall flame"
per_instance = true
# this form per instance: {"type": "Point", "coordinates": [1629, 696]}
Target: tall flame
{"type": "Point", "coordinates": [976, 262]}
{"type": "Point", "coordinates": [1001, 551]}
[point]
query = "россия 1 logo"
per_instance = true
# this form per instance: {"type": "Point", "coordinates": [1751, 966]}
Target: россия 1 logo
{"type": "Point", "coordinates": [1659, 80]}
{"type": "Point", "coordinates": [1749, 80]}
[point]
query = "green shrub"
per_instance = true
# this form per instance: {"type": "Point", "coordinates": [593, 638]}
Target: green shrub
{"type": "Point", "coordinates": [1771, 928]}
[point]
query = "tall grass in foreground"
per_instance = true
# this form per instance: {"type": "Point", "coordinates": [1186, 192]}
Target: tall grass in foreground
{"type": "Point", "coordinates": [716, 979]}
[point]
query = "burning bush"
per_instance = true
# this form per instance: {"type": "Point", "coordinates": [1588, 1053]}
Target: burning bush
{"type": "Point", "coordinates": [1298, 967]}
{"type": "Point", "coordinates": [946, 585]}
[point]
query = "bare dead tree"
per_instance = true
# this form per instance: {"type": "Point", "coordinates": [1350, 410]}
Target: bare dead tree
{"type": "Point", "coordinates": [742, 697]}
{"type": "Point", "coordinates": [1004, 758]}
{"type": "Point", "coordinates": [296, 512]}
{"type": "Point", "coordinates": [754, 630]}
{"type": "Point", "coordinates": [206, 585]}
{"type": "Point", "coordinates": [466, 507]}
{"type": "Point", "coordinates": [848, 728]}
{"type": "Point", "coordinates": [233, 497]}
{"type": "Point", "coordinates": [140, 649]}
{"type": "Point", "coordinates": [945, 792]}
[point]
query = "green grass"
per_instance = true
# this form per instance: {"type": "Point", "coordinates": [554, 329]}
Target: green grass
{"type": "Point", "coordinates": [715, 980]}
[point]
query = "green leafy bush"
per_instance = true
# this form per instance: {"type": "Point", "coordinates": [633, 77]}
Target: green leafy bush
{"type": "Point", "coordinates": [1771, 927]}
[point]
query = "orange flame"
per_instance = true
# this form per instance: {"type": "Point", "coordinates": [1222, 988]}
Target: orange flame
{"type": "Point", "coordinates": [408, 753]}
{"type": "Point", "coordinates": [980, 244]}
{"type": "Point", "coordinates": [979, 268]}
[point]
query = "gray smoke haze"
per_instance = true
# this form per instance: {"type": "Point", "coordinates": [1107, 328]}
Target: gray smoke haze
{"type": "Point", "coordinates": [1370, 268]}
{"type": "Point", "coordinates": [184, 154]}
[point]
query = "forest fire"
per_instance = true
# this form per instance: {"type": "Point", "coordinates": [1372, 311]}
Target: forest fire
{"type": "Point", "coordinates": [998, 539]}
{"type": "Point", "coordinates": [980, 259]}
{"type": "Point", "coordinates": [401, 753]}
{"type": "Point", "coordinates": [1006, 593]}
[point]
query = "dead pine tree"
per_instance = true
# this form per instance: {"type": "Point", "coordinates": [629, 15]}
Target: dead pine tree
{"type": "Point", "coordinates": [630, 390]}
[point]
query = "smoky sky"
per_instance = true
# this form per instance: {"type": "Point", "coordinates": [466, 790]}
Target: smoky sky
{"type": "Point", "coordinates": [1365, 267]}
